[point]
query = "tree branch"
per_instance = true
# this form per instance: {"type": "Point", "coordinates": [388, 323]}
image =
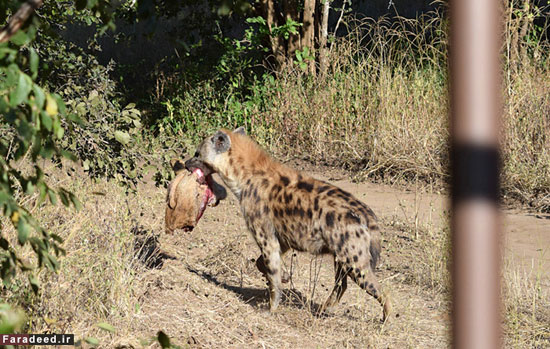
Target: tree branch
{"type": "Point", "coordinates": [20, 17]}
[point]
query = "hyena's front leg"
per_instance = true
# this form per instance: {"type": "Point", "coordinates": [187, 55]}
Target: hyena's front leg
{"type": "Point", "coordinates": [271, 254]}
{"type": "Point", "coordinates": [260, 264]}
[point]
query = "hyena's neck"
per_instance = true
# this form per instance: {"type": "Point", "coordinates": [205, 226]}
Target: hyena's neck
{"type": "Point", "coordinates": [246, 163]}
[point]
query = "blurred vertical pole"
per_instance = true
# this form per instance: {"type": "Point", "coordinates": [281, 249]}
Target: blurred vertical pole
{"type": "Point", "coordinates": [475, 111]}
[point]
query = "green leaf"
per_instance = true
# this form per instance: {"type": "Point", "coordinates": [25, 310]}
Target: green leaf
{"type": "Point", "coordinates": [22, 90]}
{"type": "Point", "coordinates": [105, 326]}
{"type": "Point", "coordinates": [23, 229]}
{"type": "Point", "coordinates": [51, 194]}
{"type": "Point", "coordinates": [46, 120]}
{"type": "Point", "coordinates": [20, 38]}
{"type": "Point", "coordinates": [92, 341]}
{"type": "Point", "coordinates": [12, 319]}
{"type": "Point", "coordinates": [63, 196]}
{"type": "Point", "coordinates": [35, 285]}
{"type": "Point", "coordinates": [33, 62]}
{"type": "Point", "coordinates": [163, 340]}
{"type": "Point", "coordinates": [39, 96]}
{"type": "Point", "coordinates": [122, 137]}
{"type": "Point", "coordinates": [76, 203]}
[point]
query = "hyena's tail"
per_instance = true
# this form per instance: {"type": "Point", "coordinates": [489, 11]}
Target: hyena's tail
{"type": "Point", "coordinates": [375, 247]}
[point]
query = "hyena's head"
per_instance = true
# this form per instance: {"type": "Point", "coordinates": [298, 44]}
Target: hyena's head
{"type": "Point", "coordinates": [213, 154]}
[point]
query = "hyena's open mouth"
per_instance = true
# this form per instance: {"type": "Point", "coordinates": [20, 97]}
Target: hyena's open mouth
{"type": "Point", "coordinates": [208, 196]}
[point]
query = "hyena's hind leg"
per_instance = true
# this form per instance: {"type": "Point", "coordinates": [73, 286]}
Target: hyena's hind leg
{"type": "Point", "coordinates": [340, 286]}
{"type": "Point", "coordinates": [367, 281]}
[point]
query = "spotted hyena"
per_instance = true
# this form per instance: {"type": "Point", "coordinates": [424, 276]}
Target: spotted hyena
{"type": "Point", "coordinates": [286, 209]}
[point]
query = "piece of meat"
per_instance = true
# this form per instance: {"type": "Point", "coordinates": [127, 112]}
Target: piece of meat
{"type": "Point", "coordinates": [188, 196]}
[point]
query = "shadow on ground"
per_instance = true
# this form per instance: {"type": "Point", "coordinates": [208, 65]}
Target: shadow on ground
{"type": "Point", "coordinates": [146, 248]}
{"type": "Point", "coordinates": [256, 296]}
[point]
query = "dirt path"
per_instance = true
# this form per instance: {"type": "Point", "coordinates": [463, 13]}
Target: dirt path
{"type": "Point", "coordinates": [526, 236]}
{"type": "Point", "coordinates": [208, 293]}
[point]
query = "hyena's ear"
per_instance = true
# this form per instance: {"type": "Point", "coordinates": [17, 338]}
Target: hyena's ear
{"type": "Point", "coordinates": [177, 165]}
{"type": "Point", "coordinates": [240, 130]}
{"type": "Point", "coordinates": [221, 141]}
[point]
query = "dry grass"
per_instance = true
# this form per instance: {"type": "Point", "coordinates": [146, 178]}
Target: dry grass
{"type": "Point", "coordinates": [526, 306]}
{"type": "Point", "coordinates": [383, 107]}
{"type": "Point", "coordinates": [203, 289]}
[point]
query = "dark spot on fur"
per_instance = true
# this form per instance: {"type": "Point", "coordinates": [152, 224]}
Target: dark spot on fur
{"type": "Point", "coordinates": [265, 183]}
{"type": "Point", "coordinates": [299, 212]}
{"type": "Point", "coordinates": [309, 213]}
{"type": "Point", "coordinates": [285, 180]}
{"type": "Point", "coordinates": [355, 259]}
{"type": "Point", "coordinates": [320, 212]}
{"type": "Point", "coordinates": [255, 193]}
{"type": "Point", "coordinates": [358, 234]}
{"type": "Point", "coordinates": [330, 219]}
{"type": "Point", "coordinates": [323, 188]}
{"type": "Point", "coordinates": [344, 193]}
{"type": "Point", "coordinates": [248, 181]}
{"type": "Point", "coordinates": [346, 235]}
{"type": "Point", "coordinates": [352, 217]}
{"type": "Point", "coordinates": [276, 213]}
{"type": "Point", "coordinates": [288, 211]}
{"type": "Point", "coordinates": [266, 209]}
{"type": "Point", "coordinates": [299, 202]}
{"type": "Point", "coordinates": [305, 186]}
{"type": "Point", "coordinates": [316, 204]}
{"type": "Point", "coordinates": [288, 198]}
{"type": "Point", "coordinates": [360, 252]}
{"type": "Point", "coordinates": [276, 189]}
{"type": "Point", "coordinates": [331, 192]}
{"type": "Point", "coordinates": [354, 203]}
{"type": "Point", "coordinates": [341, 243]}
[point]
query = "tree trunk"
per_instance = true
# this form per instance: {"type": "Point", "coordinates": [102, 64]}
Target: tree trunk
{"type": "Point", "coordinates": [527, 20]}
{"type": "Point", "coordinates": [277, 43]}
{"type": "Point", "coordinates": [308, 37]}
{"type": "Point", "coordinates": [290, 8]}
{"type": "Point", "coordinates": [19, 18]}
{"type": "Point", "coordinates": [323, 39]}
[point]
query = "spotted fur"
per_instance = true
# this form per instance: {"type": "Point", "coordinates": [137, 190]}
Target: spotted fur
{"type": "Point", "coordinates": [285, 209]}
